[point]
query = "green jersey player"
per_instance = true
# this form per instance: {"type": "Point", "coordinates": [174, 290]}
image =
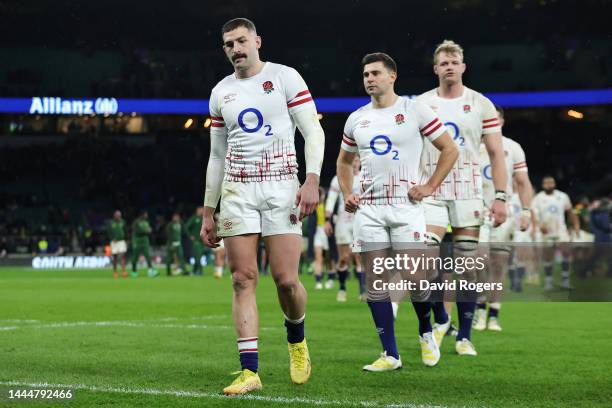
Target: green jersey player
{"type": "Point", "coordinates": [193, 226]}
{"type": "Point", "coordinates": [141, 230]}
{"type": "Point", "coordinates": [115, 229]}
{"type": "Point", "coordinates": [174, 246]}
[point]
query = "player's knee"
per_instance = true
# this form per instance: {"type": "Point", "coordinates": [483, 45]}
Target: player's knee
{"type": "Point", "coordinates": [287, 285]}
{"type": "Point", "coordinates": [244, 279]}
{"type": "Point", "coordinates": [343, 260]}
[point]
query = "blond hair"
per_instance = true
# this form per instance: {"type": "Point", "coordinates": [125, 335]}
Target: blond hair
{"type": "Point", "coordinates": [449, 47]}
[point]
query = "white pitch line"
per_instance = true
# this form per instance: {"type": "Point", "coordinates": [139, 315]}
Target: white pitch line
{"type": "Point", "coordinates": [210, 395]}
{"type": "Point", "coordinates": [19, 321]}
{"type": "Point", "coordinates": [161, 319]}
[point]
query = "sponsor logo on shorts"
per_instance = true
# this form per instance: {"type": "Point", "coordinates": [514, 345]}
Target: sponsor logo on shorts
{"type": "Point", "coordinates": [268, 87]}
{"type": "Point", "coordinates": [477, 214]}
{"type": "Point", "coordinates": [417, 236]}
{"type": "Point", "coordinates": [467, 108]}
{"type": "Point", "coordinates": [227, 225]}
{"type": "Point", "coordinates": [399, 119]}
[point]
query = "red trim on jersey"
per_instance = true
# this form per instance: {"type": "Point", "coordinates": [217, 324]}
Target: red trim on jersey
{"type": "Point", "coordinates": [520, 166]}
{"type": "Point", "coordinates": [429, 124]}
{"type": "Point", "coordinates": [432, 130]}
{"type": "Point", "coordinates": [491, 126]}
{"type": "Point", "coordinates": [296, 103]}
{"type": "Point", "coordinates": [219, 118]}
{"type": "Point", "coordinates": [489, 120]}
{"type": "Point", "coordinates": [217, 125]}
{"type": "Point", "coordinates": [348, 142]}
{"type": "Point", "coordinates": [306, 92]}
{"type": "Point", "coordinates": [348, 137]}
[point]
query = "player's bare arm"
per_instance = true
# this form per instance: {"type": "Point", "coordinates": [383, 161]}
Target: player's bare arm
{"type": "Point", "coordinates": [214, 182]}
{"type": "Point", "coordinates": [493, 144]}
{"type": "Point", "coordinates": [208, 233]}
{"type": "Point", "coordinates": [329, 228]}
{"type": "Point", "coordinates": [525, 192]}
{"type": "Point", "coordinates": [307, 122]}
{"type": "Point", "coordinates": [448, 156]}
{"type": "Point", "coordinates": [307, 196]}
{"type": "Point", "coordinates": [574, 227]}
{"type": "Point", "coordinates": [344, 171]}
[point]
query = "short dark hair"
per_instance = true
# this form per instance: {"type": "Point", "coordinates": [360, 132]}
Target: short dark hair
{"type": "Point", "coordinates": [548, 176]}
{"type": "Point", "coordinates": [382, 57]}
{"type": "Point", "coordinates": [500, 110]}
{"type": "Point", "coordinates": [238, 22]}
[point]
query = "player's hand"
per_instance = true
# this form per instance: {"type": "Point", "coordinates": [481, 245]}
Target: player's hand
{"type": "Point", "coordinates": [351, 203]}
{"type": "Point", "coordinates": [208, 233]}
{"type": "Point", "coordinates": [524, 223]}
{"type": "Point", "coordinates": [574, 233]}
{"type": "Point", "coordinates": [498, 213]}
{"type": "Point", "coordinates": [417, 193]}
{"type": "Point", "coordinates": [329, 228]}
{"type": "Point", "coordinates": [307, 198]}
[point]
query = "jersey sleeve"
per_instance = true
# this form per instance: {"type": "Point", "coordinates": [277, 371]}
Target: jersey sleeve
{"type": "Point", "coordinates": [429, 124]}
{"type": "Point", "coordinates": [490, 122]}
{"type": "Point", "coordinates": [518, 159]}
{"type": "Point", "coordinates": [217, 120]}
{"type": "Point", "coordinates": [332, 195]}
{"type": "Point", "coordinates": [567, 203]}
{"type": "Point", "coordinates": [348, 140]}
{"type": "Point", "coordinates": [297, 95]}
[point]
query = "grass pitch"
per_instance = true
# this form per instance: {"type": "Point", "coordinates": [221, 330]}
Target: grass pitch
{"type": "Point", "coordinates": [170, 342]}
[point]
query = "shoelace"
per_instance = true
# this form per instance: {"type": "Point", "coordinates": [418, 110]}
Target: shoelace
{"type": "Point", "coordinates": [382, 360]}
{"type": "Point", "coordinates": [299, 357]}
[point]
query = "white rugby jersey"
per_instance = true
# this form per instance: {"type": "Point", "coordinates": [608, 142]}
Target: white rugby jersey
{"type": "Point", "coordinates": [467, 119]}
{"type": "Point", "coordinates": [335, 194]}
{"type": "Point", "coordinates": [550, 211]}
{"type": "Point", "coordinates": [389, 142]}
{"type": "Point", "coordinates": [256, 112]}
{"type": "Point", "coordinates": [514, 157]}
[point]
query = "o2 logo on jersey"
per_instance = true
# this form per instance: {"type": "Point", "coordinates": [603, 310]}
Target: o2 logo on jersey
{"type": "Point", "coordinates": [258, 125]}
{"type": "Point", "coordinates": [456, 133]}
{"type": "Point", "coordinates": [487, 173]}
{"type": "Point", "coordinates": [387, 146]}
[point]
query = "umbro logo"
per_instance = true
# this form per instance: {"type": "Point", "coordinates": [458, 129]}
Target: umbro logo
{"type": "Point", "coordinates": [230, 97]}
